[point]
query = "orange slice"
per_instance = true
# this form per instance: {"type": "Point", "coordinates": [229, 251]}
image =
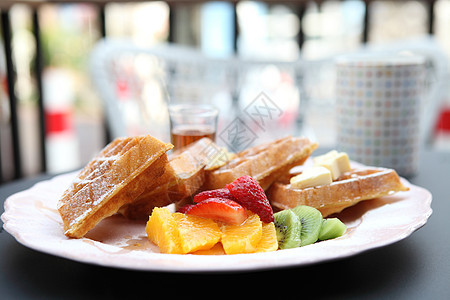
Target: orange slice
{"type": "Point", "coordinates": [196, 233]}
{"type": "Point", "coordinates": [162, 229]}
{"type": "Point", "coordinates": [242, 238]}
{"type": "Point", "coordinates": [268, 240]}
{"type": "Point", "coordinates": [217, 249]}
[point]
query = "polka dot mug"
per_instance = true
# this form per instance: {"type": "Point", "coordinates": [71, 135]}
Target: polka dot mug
{"type": "Point", "coordinates": [378, 107]}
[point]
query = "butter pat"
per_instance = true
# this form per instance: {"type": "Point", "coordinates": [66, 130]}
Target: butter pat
{"type": "Point", "coordinates": [311, 177]}
{"type": "Point", "coordinates": [336, 162]}
{"type": "Point", "coordinates": [330, 155]}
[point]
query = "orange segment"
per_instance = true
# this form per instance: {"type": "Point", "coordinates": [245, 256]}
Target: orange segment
{"type": "Point", "coordinates": [217, 249]}
{"type": "Point", "coordinates": [196, 233]}
{"type": "Point", "coordinates": [242, 238]}
{"type": "Point", "coordinates": [162, 229]}
{"type": "Point", "coordinates": [268, 240]}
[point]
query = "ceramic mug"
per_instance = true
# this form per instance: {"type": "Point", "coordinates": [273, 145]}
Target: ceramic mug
{"type": "Point", "coordinates": [378, 109]}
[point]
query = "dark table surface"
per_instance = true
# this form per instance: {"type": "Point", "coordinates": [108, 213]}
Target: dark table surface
{"type": "Point", "coordinates": [417, 267]}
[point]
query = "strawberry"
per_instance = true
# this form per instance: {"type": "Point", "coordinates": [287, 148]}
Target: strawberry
{"type": "Point", "coordinates": [219, 209]}
{"type": "Point", "coordinates": [219, 193]}
{"type": "Point", "coordinates": [250, 194]}
{"type": "Point", "coordinates": [185, 208]}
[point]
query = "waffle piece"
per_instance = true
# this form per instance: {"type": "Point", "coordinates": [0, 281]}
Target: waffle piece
{"type": "Point", "coordinates": [265, 163]}
{"type": "Point", "coordinates": [119, 174]}
{"type": "Point", "coordinates": [184, 175]}
{"type": "Point", "coordinates": [350, 188]}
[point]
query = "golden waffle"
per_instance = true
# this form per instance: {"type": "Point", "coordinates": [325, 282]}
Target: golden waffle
{"type": "Point", "coordinates": [265, 163]}
{"type": "Point", "coordinates": [184, 175]}
{"type": "Point", "coordinates": [350, 188]}
{"type": "Point", "coordinates": [119, 174]}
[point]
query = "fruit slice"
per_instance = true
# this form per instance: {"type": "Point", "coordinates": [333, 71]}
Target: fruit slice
{"type": "Point", "coordinates": [250, 194]}
{"type": "Point", "coordinates": [219, 209]}
{"type": "Point", "coordinates": [162, 229]}
{"type": "Point", "coordinates": [288, 228]}
{"type": "Point", "coordinates": [331, 228]}
{"type": "Point", "coordinates": [242, 238]}
{"type": "Point", "coordinates": [219, 193]}
{"type": "Point", "coordinates": [268, 240]}
{"type": "Point", "coordinates": [196, 233]}
{"type": "Point", "coordinates": [311, 220]}
{"type": "Point", "coordinates": [185, 208]}
{"type": "Point", "coordinates": [217, 249]}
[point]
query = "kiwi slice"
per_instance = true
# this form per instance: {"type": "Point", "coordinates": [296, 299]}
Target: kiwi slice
{"type": "Point", "coordinates": [332, 228]}
{"type": "Point", "coordinates": [311, 220]}
{"type": "Point", "coordinates": [288, 228]}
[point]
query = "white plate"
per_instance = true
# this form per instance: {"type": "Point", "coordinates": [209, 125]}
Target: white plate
{"type": "Point", "coordinates": [31, 217]}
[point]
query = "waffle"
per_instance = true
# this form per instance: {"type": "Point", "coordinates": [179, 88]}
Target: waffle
{"type": "Point", "coordinates": [184, 175]}
{"type": "Point", "coordinates": [118, 175]}
{"type": "Point", "coordinates": [350, 188]}
{"type": "Point", "coordinates": [265, 163]}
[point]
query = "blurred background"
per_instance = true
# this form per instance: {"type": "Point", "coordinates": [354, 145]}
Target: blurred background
{"type": "Point", "coordinates": [54, 101]}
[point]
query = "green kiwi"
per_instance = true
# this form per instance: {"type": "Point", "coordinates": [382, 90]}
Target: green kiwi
{"type": "Point", "coordinates": [311, 220]}
{"type": "Point", "coordinates": [288, 228]}
{"type": "Point", "coordinates": [332, 228]}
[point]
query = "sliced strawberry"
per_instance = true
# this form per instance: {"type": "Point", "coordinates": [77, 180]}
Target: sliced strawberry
{"type": "Point", "coordinates": [185, 208]}
{"type": "Point", "coordinates": [250, 195]}
{"type": "Point", "coordinates": [219, 209]}
{"type": "Point", "coordinates": [219, 193]}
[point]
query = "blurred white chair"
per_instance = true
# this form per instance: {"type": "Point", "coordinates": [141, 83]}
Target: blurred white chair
{"type": "Point", "coordinates": [136, 85]}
